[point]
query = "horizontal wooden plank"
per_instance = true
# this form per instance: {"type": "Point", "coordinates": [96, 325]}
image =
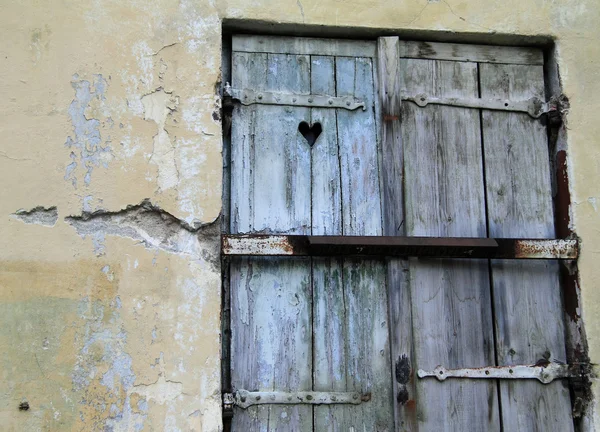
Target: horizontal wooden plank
{"type": "Point", "coordinates": [471, 53]}
{"type": "Point", "coordinates": [446, 247]}
{"type": "Point", "coordinates": [308, 46]}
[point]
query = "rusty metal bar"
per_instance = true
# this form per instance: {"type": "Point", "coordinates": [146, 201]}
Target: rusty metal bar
{"type": "Point", "coordinates": [434, 247]}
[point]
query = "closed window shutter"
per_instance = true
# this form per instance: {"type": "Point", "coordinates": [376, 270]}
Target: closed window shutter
{"type": "Point", "coordinates": [470, 173]}
{"type": "Point", "coordinates": [397, 168]}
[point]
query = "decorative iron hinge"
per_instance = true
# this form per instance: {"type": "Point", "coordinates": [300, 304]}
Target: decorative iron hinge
{"type": "Point", "coordinates": [535, 107]}
{"type": "Point", "coordinates": [244, 398]}
{"type": "Point", "coordinates": [545, 372]}
{"type": "Point", "coordinates": [249, 97]}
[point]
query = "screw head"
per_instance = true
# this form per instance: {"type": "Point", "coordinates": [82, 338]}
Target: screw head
{"type": "Point", "coordinates": [260, 96]}
{"type": "Point", "coordinates": [347, 103]}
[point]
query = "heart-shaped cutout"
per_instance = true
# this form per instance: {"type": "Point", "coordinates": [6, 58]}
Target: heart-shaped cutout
{"type": "Point", "coordinates": [310, 133]}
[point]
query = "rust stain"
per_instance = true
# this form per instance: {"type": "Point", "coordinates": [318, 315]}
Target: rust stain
{"type": "Point", "coordinates": [390, 118]}
{"type": "Point", "coordinates": [563, 196]}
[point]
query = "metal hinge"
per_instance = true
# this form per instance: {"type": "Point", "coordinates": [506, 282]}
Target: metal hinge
{"type": "Point", "coordinates": [249, 97]}
{"type": "Point", "coordinates": [545, 372]}
{"type": "Point", "coordinates": [244, 398]}
{"type": "Point", "coordinates": [535, 107]}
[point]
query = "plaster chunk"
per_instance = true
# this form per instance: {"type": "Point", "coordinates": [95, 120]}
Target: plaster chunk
{"type": "Point", "coordinates": [38, 215]}
{"type": "Point", "coordinates": [153, 227]}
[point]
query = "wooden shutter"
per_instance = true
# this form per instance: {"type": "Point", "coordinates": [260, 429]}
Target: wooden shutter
{"type": "Point", "coordinates": [469, 172]}
{"type": "Point", "coordinates": [303, 324]}
{"type": "Point", "coordinates": [366, 325]}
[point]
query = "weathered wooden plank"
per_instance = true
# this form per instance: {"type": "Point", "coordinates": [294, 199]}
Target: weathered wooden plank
{"type": "Point", "coordinates": [248, 69]}
{"type": "Point", "coordinates": [368, 367]}
{"type": "Point", "coordinates": [271, 297]}
{"type": "Point", "coordinates": [271, 339]}
{"type": "Point", "coordinates": [358, 150]}
{"type": "Point", "coordinates": [400, 309]}
{"type": "Point", "coordinates": [325, 165]}
{"type": "Point", "coordinates": [307, 46]}
{"type": "Point", "coordinates": [444, 196]}
{"type": "Point", "coordinates": [472, 53]}
{"type": "Point", "coordinates": [329, 326]}
{"type": "Point", "coordinates": [529, 322]}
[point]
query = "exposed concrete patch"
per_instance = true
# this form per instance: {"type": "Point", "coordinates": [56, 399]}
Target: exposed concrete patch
{"type": "Point", "coordinates": [38, 215]}
{"type": "Point", "coordinates": [153, 227]}
{"type": "Point", "coordinates": [86, 139]}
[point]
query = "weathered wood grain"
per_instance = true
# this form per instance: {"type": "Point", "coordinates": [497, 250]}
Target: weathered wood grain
{"type": "Point", "coordinates": [271, 339]}
{"type": "Point", "coordinates": [472, 53]}
{"type": "Point", "coordinates": [325, 164]}
{"type": "Point", "coordinates": [444, 196]}
{"type": "Point", "coordinates": [527, 297]}
{"type": "Point", "coordinates": [329, 312]}
{"type": "Point", "coordinates": [271, 298]}
{"type": "Point", "coordinates": [307, 46]}
{"type": "Point", "coordinates": [367, 351]}
{"type": "Point", "coordinates": [400, 309]}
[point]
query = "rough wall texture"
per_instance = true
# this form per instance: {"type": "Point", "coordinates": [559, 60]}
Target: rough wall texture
{"type": "Point", "coordinates": [111, 185]}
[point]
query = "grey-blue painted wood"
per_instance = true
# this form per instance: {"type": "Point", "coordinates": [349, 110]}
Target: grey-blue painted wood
{"type": "Point", "coordinates": [271, 299]}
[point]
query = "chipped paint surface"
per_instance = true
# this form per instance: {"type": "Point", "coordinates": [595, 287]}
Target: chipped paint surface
{"type": "Point", "coordinates": [111, 180]}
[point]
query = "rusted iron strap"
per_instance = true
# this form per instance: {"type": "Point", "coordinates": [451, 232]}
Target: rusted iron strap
{"type": "Point", "coordinates": [244, 398]}
{"type": "Point", "coordinates": [435, 247]}
{"type": "Point", "coordinates": [545, 372]}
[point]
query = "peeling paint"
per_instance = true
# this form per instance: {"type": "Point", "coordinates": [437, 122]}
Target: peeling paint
{"type": "Point", "coordinates": [158, 105]}
{"type": "Point", "coordinates": [88, 149]}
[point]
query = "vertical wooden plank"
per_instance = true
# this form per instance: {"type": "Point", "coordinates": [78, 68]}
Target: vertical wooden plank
{"type": "Point", "coordinates": [367, 345]}
{"type": "Point", "coordinates": [325, 164]}
{"type": "Point", "coordinates": [248, 70]}
{"type": "Point", "coordinates": [329, 326]}
{"type": "Point", "coordinates": [357, 139]}
{"type": "Point", "coordinates": [271, 339]}
{"type": "Point", "coordinates": [444, 189]}
{"type": "Point", "coordinates": [400, 310]}
{"type": "Point", "coordinates": [527, 298]}
{"type": "Point", "coordinates": [271, 298]}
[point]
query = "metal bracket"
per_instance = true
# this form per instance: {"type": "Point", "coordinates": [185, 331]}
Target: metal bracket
{"type": "Point", "coordinates": [446, 247]}
{"type": "Point", "coordinates": [249, 97]}
{"type": "Point", "coordinates": [535, 107]}
{"type": "Point", "coordinates": [244, 398]}
{"type": "Point", "coordinates": [545, 373]}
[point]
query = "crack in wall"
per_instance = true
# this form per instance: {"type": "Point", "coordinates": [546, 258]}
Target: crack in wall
{"type": "Point", "coordinates": [46, 216]}
{"type": "Point", "coordinates": [152, 226]}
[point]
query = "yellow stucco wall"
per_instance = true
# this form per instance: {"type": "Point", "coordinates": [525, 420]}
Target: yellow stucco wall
{"type": "Point", "coordinates": [112, 322]}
